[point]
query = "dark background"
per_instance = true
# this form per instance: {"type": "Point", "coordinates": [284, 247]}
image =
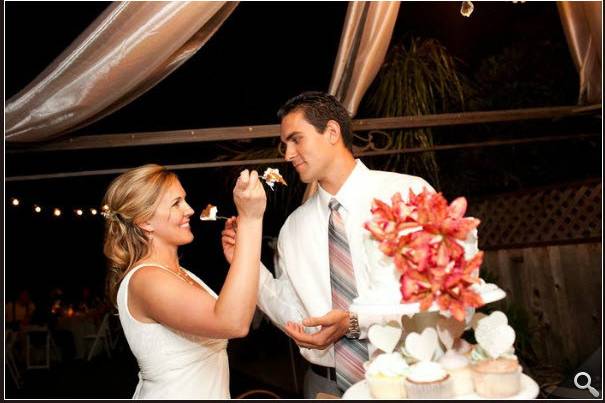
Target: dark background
{"type": "Point", "coordinates": [263, 54]}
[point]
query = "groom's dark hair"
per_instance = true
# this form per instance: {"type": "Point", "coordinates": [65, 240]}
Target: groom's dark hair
{"type": "Point", "coordinates": [318, 108]}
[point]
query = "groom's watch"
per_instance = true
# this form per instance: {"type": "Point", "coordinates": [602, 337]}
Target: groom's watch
{"type": "Point", "coordinates": [353, 332]}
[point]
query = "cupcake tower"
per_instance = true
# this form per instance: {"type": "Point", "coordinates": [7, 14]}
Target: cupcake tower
{"type": "Point", "coordinates": [423, 271]}
{"type": "Point", "coordinates": [437, 363]}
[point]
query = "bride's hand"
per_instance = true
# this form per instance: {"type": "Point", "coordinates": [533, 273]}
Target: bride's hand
{"type": "Point", "coordinates": [228, 238]}
{"type": "Point", "coordinates": [249, 195]}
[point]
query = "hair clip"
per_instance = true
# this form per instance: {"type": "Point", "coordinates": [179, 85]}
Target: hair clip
{"type": "Point", "coordinates": [108, 214]}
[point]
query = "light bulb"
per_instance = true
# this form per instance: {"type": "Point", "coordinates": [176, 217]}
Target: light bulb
{"type": "Point", "coordinates": [467, 8]}
{"type": "Point", "coordinates": [57, 212]}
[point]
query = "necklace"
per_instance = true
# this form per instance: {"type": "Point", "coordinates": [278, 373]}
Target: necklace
{"type": "Point", "coordinates": [182, 274]}
{"type": "Point", "coordinates": [185, 277]}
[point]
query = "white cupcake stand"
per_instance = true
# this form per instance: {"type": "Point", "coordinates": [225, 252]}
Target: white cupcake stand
{"type": "Point", "coordinates": [490, 293]}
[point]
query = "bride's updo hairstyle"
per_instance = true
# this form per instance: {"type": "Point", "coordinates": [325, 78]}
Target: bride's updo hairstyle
{"type": "Point", "coordinates": [131, 198]}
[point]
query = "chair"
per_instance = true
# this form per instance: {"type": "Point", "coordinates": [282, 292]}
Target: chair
{"type": "Point", "coordinates": [10, 339]}
{"type": "Point", "coordinates": [39, 333]}
{"type": "Point", "coordinates": [115, 331]}
{"type": "Point", "coordinates": [102, 336]}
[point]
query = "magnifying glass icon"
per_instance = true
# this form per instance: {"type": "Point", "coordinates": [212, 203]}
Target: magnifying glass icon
{"type": "Point", "coordinates": [587, 385]}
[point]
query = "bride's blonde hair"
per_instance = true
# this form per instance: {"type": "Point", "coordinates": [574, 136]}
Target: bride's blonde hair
{"type": "Point", "coordinates": [131, 198]}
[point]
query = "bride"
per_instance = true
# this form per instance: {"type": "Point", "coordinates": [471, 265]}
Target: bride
{"type": "Point", "coordinates": [176, 326]}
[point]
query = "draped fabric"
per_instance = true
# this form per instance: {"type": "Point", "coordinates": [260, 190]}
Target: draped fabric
{"type": "Point", "coordinates": [363, 45]}
{"type": "Point", "coordinates": [126, 51]}
{"type": "Point", "coordinates": [582, 25]}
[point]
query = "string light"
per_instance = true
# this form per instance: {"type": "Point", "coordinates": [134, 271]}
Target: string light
{"type": "Point", "coordinates": [38, 209]}
{"type": "Point", "coordinates": [467, 8]}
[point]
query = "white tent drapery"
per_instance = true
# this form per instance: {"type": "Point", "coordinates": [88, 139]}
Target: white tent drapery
{"type": "Point", "coordinates": [127, 50]}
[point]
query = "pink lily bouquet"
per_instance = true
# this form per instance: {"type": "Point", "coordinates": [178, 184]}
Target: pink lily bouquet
{"type": "Point", "coordinates": [423, 237]}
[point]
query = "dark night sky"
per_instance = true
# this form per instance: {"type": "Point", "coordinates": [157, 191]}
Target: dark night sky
{"type": "Point", "coordinates": [262, 55]}
{"type": "Point", "coordinates": [284, 47]}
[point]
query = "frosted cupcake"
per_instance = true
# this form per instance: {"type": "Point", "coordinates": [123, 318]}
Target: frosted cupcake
{"type": "Point", "coordinates": [458, 367]}
{"type": "Point", "coordinates": [385, 376]}
{"type": "Point", "coordinates": [496, 370]}
{"type": "Point", "coordinates": [428, 380]}
{"type": "Point", "coordinates": [497, 378]}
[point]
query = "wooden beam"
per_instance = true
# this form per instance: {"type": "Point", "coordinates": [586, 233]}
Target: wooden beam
{"type": "Point", "coordinates": [216, 164]}
{"type": "Point", "coordinates": [264, 131]}
{"type": "Point", "coordinates": [153, 138]}
{"type": "Point", "coordinates": [465, 118]}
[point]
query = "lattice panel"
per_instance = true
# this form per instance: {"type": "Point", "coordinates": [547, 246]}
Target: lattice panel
{"type": "Point", "coordinates": [554, 215]}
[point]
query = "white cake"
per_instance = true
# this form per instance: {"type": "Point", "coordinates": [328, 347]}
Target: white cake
{"type": "Point", "coordinates": [383, 295]}
{"type": "Point", "coordinates": [440, 270]}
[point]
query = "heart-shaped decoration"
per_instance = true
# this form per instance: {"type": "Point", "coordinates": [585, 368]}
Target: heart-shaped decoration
{"type": "Point", "coordinates": [494, 319]}
{"type": "Point", "coordinates": [496, 341]}
{"type": "Point", "coordinates": [494, 334]}
{"type": "Point", "coordinates": [422, 346]}
{"type": "Point", "coordinates": [449, 330]}
{"type": "Point", "coordinates": [385, 337]}
{"type": "Point", "coordinates": [476, 318]}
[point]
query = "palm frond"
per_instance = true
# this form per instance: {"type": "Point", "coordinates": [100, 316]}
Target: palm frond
{"type": "Point", "coordinates": [417, 78]}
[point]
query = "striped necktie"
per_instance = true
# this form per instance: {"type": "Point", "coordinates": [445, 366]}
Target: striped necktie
{"type": "Point", "coordinates": [349, 354]}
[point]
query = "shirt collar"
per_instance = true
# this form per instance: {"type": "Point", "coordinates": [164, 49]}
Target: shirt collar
{"type": "Point", "coordinates": [349, 191]}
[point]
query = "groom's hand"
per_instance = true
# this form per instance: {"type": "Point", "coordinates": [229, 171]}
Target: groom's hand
{"type": "Point", "coordinates": [334, 325]}
{"type": "Point", "coordinates": [228, 238]}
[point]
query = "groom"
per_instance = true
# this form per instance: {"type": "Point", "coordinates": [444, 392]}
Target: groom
{"type": "Point", "coordinates": [320, 251]}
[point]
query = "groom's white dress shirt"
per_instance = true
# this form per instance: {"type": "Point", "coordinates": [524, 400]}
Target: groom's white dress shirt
{"type": "Point", "coordinates": [302, 288]}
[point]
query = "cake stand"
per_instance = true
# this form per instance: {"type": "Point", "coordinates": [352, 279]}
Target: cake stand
{"type": "Point", "coordinates": [489, 293]}
{"type": "Point", "coordinates": [529, 390]}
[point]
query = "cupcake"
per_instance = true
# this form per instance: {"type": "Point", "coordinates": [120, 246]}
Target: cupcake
{"type": "Point", "coordinates": [497, 378]}
{"type": "Point", "coordinates": [496, 370]}
{"type": "Point", "coordinates": [385, 375]}
{"type": "Point", "coordinates": [458, 367]}
{"type": "Point", "coordinates": [428, 380]}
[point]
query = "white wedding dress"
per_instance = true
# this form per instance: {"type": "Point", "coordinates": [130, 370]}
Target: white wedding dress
{"type": "Point", "coordinates": [172, 364]}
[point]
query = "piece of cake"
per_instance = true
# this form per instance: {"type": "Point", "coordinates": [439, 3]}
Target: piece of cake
{"type": "Point", "coordinates": [272, 176]}
{"type": "Point", "coordinates": [385, 375]}
{"type": "Point", "coordinates": [209, 213]}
